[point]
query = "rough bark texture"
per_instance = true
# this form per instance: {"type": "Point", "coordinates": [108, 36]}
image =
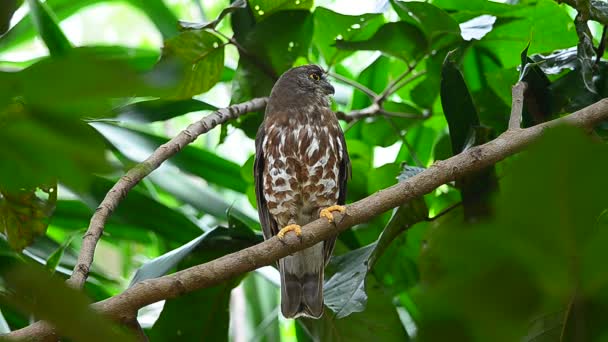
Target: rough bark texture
{"type": "Point", "coordinates": [122, 306]}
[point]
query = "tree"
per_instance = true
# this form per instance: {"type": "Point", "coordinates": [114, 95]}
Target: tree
{"type": "Point", "coordinates": [477, 133]}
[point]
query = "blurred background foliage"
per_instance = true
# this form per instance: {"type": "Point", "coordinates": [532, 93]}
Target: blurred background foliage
{"type": "Point", "coordinates": [88, 88]}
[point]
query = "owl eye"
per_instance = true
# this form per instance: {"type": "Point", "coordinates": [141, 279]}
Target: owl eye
{"type": "Point", "coordinates": [315, 76]}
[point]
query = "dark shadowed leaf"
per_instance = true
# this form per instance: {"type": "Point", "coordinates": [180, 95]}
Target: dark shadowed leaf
{"type": "Point", "coordinates": [399, 39]}
{"type": "Point", "coordinates": [35, 291]}
{"type": "Point", "coordinates": [161, 110]}
{"type": "Point", "coordinates": [46, 24]}
{"type": "Point", "coordinates": [331, 26]}
{"type": "Point", "coordinates": [537, 100]}
{"type": "Point", "coordinates": [201, 54]}
{"type": "Point", "coordinates": [7, 8]}
{"type": "Point", "coordinates": [161, 265]}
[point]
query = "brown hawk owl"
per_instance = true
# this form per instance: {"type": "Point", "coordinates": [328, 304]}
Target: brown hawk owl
{"type": "Point", "coordinates": [301, 169]}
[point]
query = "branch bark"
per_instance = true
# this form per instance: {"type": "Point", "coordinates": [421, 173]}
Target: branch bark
{"type": "Point", "coordinates": [120, 307]}
{"type": "Point", "coordinates": [517, 104]}
{"type": "Point", "coordinates": [135, 175]}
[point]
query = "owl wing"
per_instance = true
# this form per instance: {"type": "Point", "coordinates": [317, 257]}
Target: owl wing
{"type": "Point", "coordinates": [269, 225]}
{"type": "Point", "coordinates": [344, 174]}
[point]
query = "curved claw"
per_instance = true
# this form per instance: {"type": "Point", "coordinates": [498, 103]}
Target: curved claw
{"type": "Point", "coordinates": [327, 212]}
{"type": "Point", "coordinates": [292, 227]}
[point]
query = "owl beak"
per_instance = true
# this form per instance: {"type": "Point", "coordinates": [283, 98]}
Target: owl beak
{"type": "Point", "coordinates": [328, 88]}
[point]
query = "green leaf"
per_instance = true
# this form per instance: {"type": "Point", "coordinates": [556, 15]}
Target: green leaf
{"type": "Point", "coordinates": [46, 24]}
{"type": "Point", "coordinates": [201, 55]}
{"type": "Point", "coordinates": [466, 132]}
{"type": "Point", "coordinates": [262, 9]}
{"type": "Point", "coordinates": [331, 26]}
{"type": "Point", "coordinates": [161, 265]}
{"type": "Point", "coordinates": [344, 292]}
{"type": "Point", "coordinates": [440, 29]}
{"type": "Point", "coordinates": [24, 214]}
{"type": "Point", "coordinates": [399, 39]}
{"type": "Point", "coordinates": [513, 267]}
{"type": "Point", "coordinates": [35, 291]}
{"type": "Point", "coordinates": [537, 100]}
{"type": "Point", "coordinates": [262, 310]}
{"type": "Point", "coordinates": [53, 260]}
{"type": "Point", "coordinates": [291, 33]}
{"type": "Point", "coordinates": [457, 104]}
{"type": "Point", "coordinates": [138, 145]}
{"type": "Point", "coordinates": [7, 8]}
{"type": "Point", "coordinates": [161, 110]}
{"type": "Point", "coordinates": [140, 59]}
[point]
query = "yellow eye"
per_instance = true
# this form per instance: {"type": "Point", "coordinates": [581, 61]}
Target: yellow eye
{"type": "Point", "coordinates": [315, 76]}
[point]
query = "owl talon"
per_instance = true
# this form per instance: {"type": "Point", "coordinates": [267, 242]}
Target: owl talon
{"type": "Point", "coordinates": [292, 227]}
{"type": "Point", "coordinates": [327, 212]}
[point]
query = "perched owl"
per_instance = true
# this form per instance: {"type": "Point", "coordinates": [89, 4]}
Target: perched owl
{"type": "Point", "coordinates": [301, 169]}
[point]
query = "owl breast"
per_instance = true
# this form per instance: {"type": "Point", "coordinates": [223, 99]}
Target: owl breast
{"type": "Point", "coordinates": [301, 170]}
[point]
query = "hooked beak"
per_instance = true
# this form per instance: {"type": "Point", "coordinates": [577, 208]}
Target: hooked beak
{"type": "Point", "coordinates": [328, 88]}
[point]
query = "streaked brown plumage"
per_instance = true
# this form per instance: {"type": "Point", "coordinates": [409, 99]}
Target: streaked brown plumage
{"type": "Point", "coordinates": [301, 168]}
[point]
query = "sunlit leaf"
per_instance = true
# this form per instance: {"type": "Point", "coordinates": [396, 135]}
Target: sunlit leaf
{"type": "Point", "coordinates": [331, 26]}
{"type": "Point", "coordinates": [262, 9]}
{"type": "Point", "coordinates": [399, 39]}
{"type": "Point", "coordinates": [161, 110]}
{"type": "Point", "coordinates": [201, 53]}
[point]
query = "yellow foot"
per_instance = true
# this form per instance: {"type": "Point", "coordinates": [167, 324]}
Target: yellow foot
{"type": "Point", "coordinates": [292, 227]}
{"type": "Point", "coordinates": [327, 212]}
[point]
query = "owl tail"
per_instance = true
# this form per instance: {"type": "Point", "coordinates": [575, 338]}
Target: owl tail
{"type": "Point", "coordinates": [302, 283]}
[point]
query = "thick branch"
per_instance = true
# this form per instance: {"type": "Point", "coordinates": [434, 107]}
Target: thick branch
{"type": "Point", "coordinates": [136, 174]}
{"type": "Point", "coordinates": [265, 253]}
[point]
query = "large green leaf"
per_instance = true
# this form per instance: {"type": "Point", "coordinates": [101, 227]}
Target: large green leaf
{"type": "Point", "coordinates": [46, 24]}
{"type": "Point", "coordinates": [399, 39]}
{"type": "Point", "coordinates": [262, 310]}
{"type": "Point", "coordinates": [161, 110]}
{"type": "Point", "coordinates": [262, 9]}
{"type": "Point", "coordinates": [200, 53]}
{"type": "Point", "coordinates": [491, 278]}
{"type": "Point", "coordinates": [466, 132]}
{"type": "Point", "coordinates": [35, 291]}
{"type": "Point", "coordinates": [138, 145]}
{"type": "Point", "coordinates": [331, 26]}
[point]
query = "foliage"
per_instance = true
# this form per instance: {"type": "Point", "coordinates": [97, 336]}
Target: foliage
{"type": "Point", "coordinates": [512, 252]}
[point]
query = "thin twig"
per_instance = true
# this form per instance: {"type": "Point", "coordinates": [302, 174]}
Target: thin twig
{"type": "Point", "coordinates": [518, 104]}
{"type": "Point", "coordinates": [393, 86]}
{"type": "Point", "coordinates": [445, 211]}
{"type": "Point", "coordinates": [370, 93]}
{"type": "Point", "coordinates": [229, 266]}
{"type": "Point", "coordinates": [409, 147]}
{"type": "Point", "coordinates": [120, 190]}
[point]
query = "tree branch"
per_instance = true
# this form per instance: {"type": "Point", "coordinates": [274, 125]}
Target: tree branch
{"type": "Point", "coordinates": [135, 175]}
{"type": "Point", "coordinates": [229, 266]}
{"type": "Point", "coordinates": [517, 106]}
